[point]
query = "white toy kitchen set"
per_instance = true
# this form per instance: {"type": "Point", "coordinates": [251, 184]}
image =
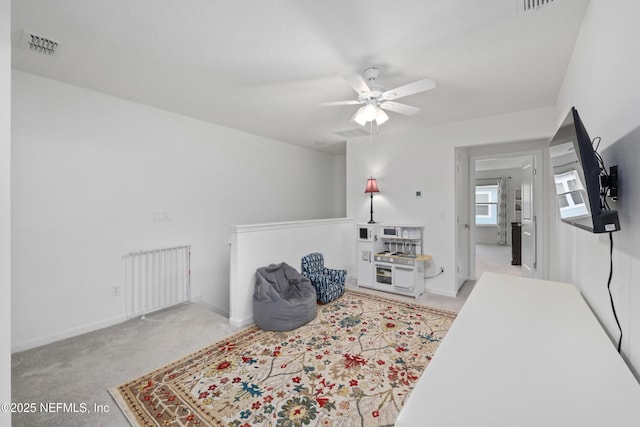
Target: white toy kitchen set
{"type": "Point", "coordinates": [390, 258]}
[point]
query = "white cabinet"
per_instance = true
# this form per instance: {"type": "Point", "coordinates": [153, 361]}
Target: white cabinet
{"type": "Point", "coordinates": [409, 279]}
{"type": "Point", "coordinates": [368, 244]}
{"type": "Point", "coordinates": [365, 263]}
{"type": "Point", "coordinates": [400, 278]}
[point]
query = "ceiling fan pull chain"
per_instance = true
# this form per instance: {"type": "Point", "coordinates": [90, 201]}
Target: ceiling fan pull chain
{"type": "Point", "coordinates": [371, 132]}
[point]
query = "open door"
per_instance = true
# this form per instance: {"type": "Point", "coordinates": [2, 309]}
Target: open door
{"type": "Point", "coordinates": [529, 220]}
{"type": "Point", "coordinates": [462, 218]}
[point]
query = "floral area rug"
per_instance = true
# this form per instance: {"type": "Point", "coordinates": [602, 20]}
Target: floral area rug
{"type": "Point", "coordinates": [354, 365]}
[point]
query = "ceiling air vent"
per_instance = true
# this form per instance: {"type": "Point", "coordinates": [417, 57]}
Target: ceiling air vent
{"type": "Point", "coordinates": [352, 133]}
{"type": "Point", "coordinates": [526, 6]}
{"type": "Point", "coordinates": [39, 43]}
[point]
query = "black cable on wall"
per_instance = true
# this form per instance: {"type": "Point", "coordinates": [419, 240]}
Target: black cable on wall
{"type": "Point", "coordinates": [613, 306]}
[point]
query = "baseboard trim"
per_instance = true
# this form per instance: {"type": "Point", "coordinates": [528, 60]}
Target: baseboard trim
{"type": "Point", "coordinates": [69, 333]}
{"type": "Point", "coordinates": [241, 323]}
{"type": "Point", "coordinates": [214, 308]}
{"type": "Point", "coordinates": [444, 293]}
{"type": "Point", "coordinates": [72, 332]}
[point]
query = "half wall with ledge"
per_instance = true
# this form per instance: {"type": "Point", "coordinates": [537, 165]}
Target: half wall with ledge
{"type": "Point", "coordinates": [257, 245]}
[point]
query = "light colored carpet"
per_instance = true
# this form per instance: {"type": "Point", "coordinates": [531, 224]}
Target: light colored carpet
{"type": "Point", "coordinates": [495, 259]}
{"type": "Point", "coordinates": [81, 369]}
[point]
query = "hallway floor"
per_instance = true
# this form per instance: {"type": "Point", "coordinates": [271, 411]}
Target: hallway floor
{"type": "Point", "coordinates": [496, 259]}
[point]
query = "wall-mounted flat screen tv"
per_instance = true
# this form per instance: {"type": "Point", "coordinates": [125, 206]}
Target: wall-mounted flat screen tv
{"type": "Point", "coordinates": [576, 175]}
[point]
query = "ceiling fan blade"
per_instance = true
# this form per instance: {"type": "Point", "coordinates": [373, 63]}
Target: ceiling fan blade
{"type": "Point", "coordinates": [357, 83]}
{"type": "Point", "coordinates": [408, 89]}
{"type": "Point", "coordinates": [397, 107]}
{"type": "Point", "coordinates": [352, 102]}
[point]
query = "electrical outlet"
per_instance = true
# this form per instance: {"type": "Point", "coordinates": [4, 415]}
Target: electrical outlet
{"type": "Point", "coordinates": [115, 291]}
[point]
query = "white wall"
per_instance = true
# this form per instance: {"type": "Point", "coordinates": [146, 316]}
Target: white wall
{"type": "Point", "coordinates": [424, 159]}
{"type": "Point", "coordinates": [602, 82]}
{"type": "Point", "coordinates": [5, 210]}
{"type": "Point", "coordinates": [340, 176]}
{"type": "Point", "coordinates": [89, 170]}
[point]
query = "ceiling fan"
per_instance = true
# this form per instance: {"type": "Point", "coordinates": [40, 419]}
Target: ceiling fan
{"type": "Point", "coordinates": [376, 99]}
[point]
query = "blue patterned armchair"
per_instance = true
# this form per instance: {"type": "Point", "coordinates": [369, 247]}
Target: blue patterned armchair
{"type": "Point", "coordinates": [329, 282]}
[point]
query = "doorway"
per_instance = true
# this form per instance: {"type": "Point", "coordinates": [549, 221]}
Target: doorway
{"type": "Point", "coordinates": [485, 251]}
{"type": "Point", "coordinates": [497, 214]}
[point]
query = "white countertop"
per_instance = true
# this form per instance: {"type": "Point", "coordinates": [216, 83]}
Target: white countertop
{"type": "Point", "coordinates": [524, 352]}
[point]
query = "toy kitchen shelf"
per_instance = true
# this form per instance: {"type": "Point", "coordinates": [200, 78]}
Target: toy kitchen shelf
{"type": "Point", "coordinates": [390, 258]}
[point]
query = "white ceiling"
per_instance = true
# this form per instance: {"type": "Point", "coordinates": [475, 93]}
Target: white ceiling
{"type": "Point", "coordinates": [263, 66]}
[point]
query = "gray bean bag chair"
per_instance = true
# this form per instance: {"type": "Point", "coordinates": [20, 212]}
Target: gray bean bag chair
{"type": "Point", "coordinates": [283, 299]}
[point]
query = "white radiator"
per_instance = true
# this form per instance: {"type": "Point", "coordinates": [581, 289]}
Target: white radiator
{"type": "Point", "coordinates": [157, 279]}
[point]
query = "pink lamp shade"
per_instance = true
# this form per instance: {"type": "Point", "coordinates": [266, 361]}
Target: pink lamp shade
{"type": "Point", "coordinates": [372, 186]}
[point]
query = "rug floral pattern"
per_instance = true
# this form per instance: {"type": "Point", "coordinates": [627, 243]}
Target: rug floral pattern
{"type": "Point", "coordinates": [354, 365]}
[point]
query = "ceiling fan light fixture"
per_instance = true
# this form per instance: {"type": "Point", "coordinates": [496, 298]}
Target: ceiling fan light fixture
{"type": "Point", "coordinates": [381, 117]}
{"type": "Point", "coordinates": [370, 111]}
{"type": "Point", "coordinates": [358, 117]}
